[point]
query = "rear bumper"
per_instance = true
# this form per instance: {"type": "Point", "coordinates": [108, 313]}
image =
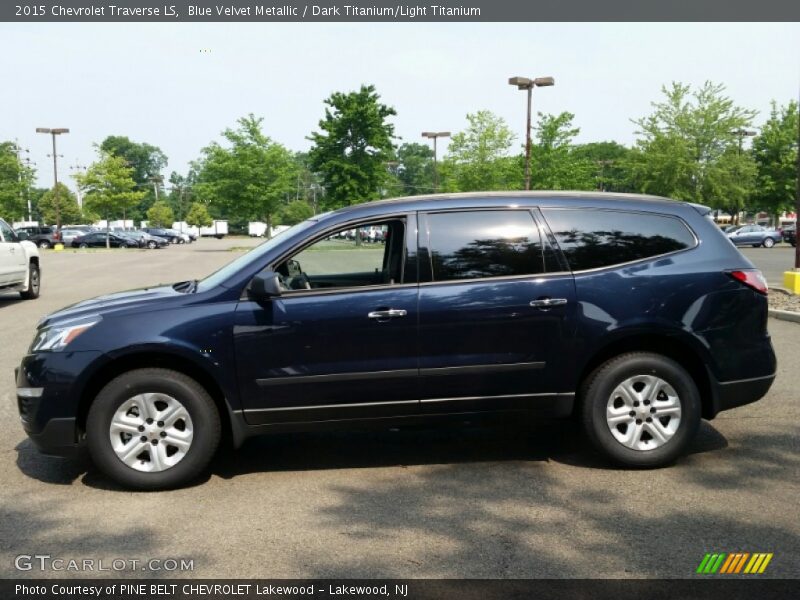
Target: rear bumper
{"type": "Point", "coordinates": [731, 394]}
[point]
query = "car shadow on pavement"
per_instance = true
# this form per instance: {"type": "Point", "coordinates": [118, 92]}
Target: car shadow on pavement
{"type": "Point", "coordinates": [559, 441]}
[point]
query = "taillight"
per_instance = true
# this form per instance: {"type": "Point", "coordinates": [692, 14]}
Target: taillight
{"type": "Point", "coordinates": [752, 278]}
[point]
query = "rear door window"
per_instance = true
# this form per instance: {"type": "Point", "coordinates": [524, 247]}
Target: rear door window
{"type": "Point", "coordinates": [479, 244]}
{"type": "Point", "coordinates": [592, 239]}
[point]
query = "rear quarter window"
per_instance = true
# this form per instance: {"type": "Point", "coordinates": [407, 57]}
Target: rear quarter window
{"type": "Point", "coordinates": [591, 239]}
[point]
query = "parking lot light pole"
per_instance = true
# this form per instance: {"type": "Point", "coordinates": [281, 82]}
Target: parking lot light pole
{"type": "Point", "coordinates": [434, 135]}
{"type": "Point", "coordinates": [524, 83]}
{"type": "Point", "coordinates": [54, 132]}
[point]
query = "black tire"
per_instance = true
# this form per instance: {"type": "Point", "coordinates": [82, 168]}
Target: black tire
{"type": "Point", "coordinates": [768, 242]}
{"type": "Point", "coordinates": [202, 411]}
{"type": "Point", "coordinates": [173, 240]}
{"type": "Point", "coordinates": [83, 245]}
{"type": "Point", "coordinates": [596, 393]}
{"type": "Point", "coordinates": [34, 283]}
{"type": "Point", "coordinates": [44, 244]}
{"type": "Point", "coordinates": [152, 245]}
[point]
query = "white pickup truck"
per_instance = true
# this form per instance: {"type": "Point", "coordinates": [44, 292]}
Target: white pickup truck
{"type": "Point", "coordinates": [19, 264]}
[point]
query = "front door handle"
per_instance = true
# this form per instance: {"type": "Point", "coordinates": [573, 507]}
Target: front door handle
{"type": "Point", "coordinates": [390, 313]}
{"type": "Point", "coordinates": [548, 302]}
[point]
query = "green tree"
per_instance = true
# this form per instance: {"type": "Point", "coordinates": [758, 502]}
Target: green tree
{"type": "Point", "coordinates": [16, 180]}
{"type": "Point", "coordinates": [775, 154]}
{"type": "Point", "coordinates": [554, 164]}
{"type": "Point", "coordinates": [145, 160]}
{"type": "Point", "coordinates": [478, 157]}
{"type": "Point", "coordinates": [249, 178]}
{"type": "Point", "coordinates": [415, 169]}
{"type": "Point", "coordinates": [351, 150]}
{"type": "Point", "coordinates": [608, 161]}
{"type": "Point", "coordinates": [198, 215]}
{"type": "Point", "coordinates": [686, 147]}
{"type": "Point", "coordinates": [160, 215]}
{"type": "Point", "coordinates": [69, 210]}
{"type": "Point", "coordinates": [109, 190]}
{"type": "Point", "coordinates": [295, 212]}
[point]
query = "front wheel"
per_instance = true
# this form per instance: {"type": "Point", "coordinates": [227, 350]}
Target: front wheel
{"type": "Point", "coordinates": [641, 409]}
{"type": "Point", "coordinates": [152, 245]}
{"type": "Point", "coordinates": [44, 244]}
{"type": "Point", "coordinates": [152, 429]}
{"type": "Point", "coordinates": [34, 282]}
{"type": "Point", "coordinates": [83, 245]}
{"type": "Point", "coordinates": [768, 242]}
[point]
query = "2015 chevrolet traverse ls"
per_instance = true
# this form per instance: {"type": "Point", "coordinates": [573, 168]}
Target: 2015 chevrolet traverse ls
{"type": "Point", "coordinates": [634, 314]}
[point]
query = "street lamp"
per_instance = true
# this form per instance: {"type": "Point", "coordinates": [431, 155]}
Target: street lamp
{"type": "Point", "coordinates": [54, 132]}
{"type": "Point", "coordinates": [434, 135]}
{"type": "Point", "coordinates": [78, 170]}
{"type": "Point", "coordinates": [523, 83]}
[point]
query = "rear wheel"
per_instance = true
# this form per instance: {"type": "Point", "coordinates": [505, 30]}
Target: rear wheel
{"type": "Point", "coordinates": [641, 409]}
{"type": "Point", "coordinates": [153, 429]}
{"type": "Point", "coordinates": [152, 245]}
{"type": "Point", "coordinates": [768, 242]}
{"type": "Point", "coordinates": [83, 245]}
{"type": "Point", "coordinates": [34, 283]}
{"type": "Point", "coordinates": [44, 244]}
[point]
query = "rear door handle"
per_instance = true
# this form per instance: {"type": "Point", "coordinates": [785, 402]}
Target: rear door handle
{"type": "Point", "coordinates": [391, 313]}
{"type": "Point", "coordinates": [548, 302]}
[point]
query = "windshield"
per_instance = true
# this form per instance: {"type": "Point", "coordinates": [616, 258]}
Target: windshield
{"type": "Point", "coordinates": [256, 253]}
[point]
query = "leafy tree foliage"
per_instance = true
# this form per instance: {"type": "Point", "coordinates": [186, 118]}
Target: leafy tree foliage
{"type": "Point", "coordinates": [608, 162]}
{"type": "Point", "coordinates": [554, 164]}
{"type": "Point", "coordinates": [248, 178]}
{"type": "Point", "coordinates": [198, 215]}
{"type": "Point", "coordinates": [15, 181]}
{"type": "Point", "coordinates": [775, 153]}
{"type": "Point", "coordinates": [688, 148]}
{"type": "Point", "coordinates": [69, 210]}
{"type": "Point", "coordinates": [415, 169]}
{"type": "Point", "coordinates": [145, 160]}
{"type": "Point", "coordinates": [478, 157]}
{"type": "Point", "coordinates": [352, 148]}
{"type": "Point", "coordinates": [160, 215]}
{"type": "Point", "coordinates": [108, 186]}
{"type": "Point", "coordinates": [295, 212]}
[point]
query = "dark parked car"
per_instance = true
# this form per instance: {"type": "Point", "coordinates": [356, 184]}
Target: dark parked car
{"type": "Point", "coordinates": [44, 237]}
{"type": "Point", "coordinates": [754, 235]}
{"type": "Point", "coordinates": [790, 235]}
{"type": "Point", "coordinates": [144, 239]}
{"type": "Point", "coordinates": [633, 314]}
{"type": "Point", "coordinates": [173, 237]}
{"type": "Point", "coordinates": [98, 240]}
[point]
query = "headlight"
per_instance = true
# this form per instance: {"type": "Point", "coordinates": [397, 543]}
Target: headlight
{"type": "Point", "coordinates": [54, 339]}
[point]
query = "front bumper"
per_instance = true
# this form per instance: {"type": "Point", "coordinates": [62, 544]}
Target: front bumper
{"type": "Point", "coordinates": [51, 419]}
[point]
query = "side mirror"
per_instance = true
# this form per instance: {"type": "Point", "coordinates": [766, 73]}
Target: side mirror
{"type": "Point", "coordinates": [22, 236]}
{"type": "Point", "coordinates": [265, 284]}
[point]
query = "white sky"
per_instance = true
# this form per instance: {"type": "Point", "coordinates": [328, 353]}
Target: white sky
{"type": "Point", "coordinates": [152, 83]}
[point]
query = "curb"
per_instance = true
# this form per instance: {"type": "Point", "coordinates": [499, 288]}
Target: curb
{"type": "Point", "coordinates": [785, 315]}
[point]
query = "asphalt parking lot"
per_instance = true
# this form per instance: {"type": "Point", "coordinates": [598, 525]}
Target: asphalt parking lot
{"type": "Point", "coordinates": [476, 502]}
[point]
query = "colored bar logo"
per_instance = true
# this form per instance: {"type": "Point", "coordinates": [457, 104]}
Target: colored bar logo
{"type": "Point", "coordinates": [734, 563]}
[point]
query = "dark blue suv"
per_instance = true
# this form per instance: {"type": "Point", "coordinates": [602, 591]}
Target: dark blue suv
{"type": "Point", "coordinates": [633, 314]}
